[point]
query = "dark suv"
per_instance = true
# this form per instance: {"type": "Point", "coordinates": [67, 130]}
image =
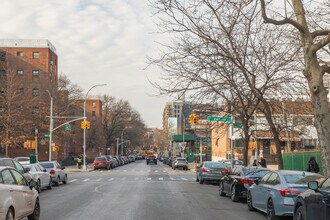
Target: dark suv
{"type": "Point", "coordinates": [151, 159]}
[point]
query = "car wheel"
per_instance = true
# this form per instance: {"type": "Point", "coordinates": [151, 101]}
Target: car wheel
{"type": "Point", "coordinates": [38, 186]}
{"type": "Point", "coordinates": [10, 214]}
{"type": "Point", "coordinates": [65, 181]}
{"type": "Point", "coordinates": [57, 182]}
{"type": "Point", "coordinates": [50, 185]}
{"type": "Point", "coordinates": [221, 192]}
{"type": "Point", "coordinates": [271, 211]}
{"type": "Point", "coordinates": [233, 194]}
{"type": "Point", "coordinates": [201, 181]}
{"type": "Point", "coordinates": [300, 214]}
{"type": "Point", "coordinates": [249, 202]}
{"type": "Point", "coordinates": [36, 212]}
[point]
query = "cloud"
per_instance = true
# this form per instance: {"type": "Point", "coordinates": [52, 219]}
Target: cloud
{"type": "Point", "coordinates": [97, 41]}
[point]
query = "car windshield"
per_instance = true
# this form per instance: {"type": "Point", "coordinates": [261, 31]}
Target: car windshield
{"type": "Point", "coordinates": [181, 160]}
{"type": "Point", "coordinates": [21, 159]}
{"type": "Point", "coordinates": [254, 172]}
{"type": "Point", "coordinates": [301, 178]}
{"type": "Point", "coordinates": [100, 159]}
{"type": "Point", "coordinates": [47, 165]}
{"type": "Point", "coordinates": [215, 165]}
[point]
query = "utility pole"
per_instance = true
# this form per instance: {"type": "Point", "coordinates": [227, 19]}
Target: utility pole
{"type": "Point", "coordinates": [117, 145]}
{"type": "Point", "coordinates": [36, 143]}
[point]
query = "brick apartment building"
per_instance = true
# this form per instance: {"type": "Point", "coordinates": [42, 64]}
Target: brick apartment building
{"type": "Point", "coordinates": [28, 68]}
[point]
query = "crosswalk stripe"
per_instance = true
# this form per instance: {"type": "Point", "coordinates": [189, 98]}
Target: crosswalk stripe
{"type": "Point", "coordinates": [110, 179]}
{"type": "Point", "coordinates": [171, 178]}
{"type": "Point", "coordinates": [148, 178]}
{"type": "Point", "coordinates": [85, 180]}
{"type": "Point", "coordinates": [99, 179]}
{"type": "Point", "coordinates": [161, 178]}
{"type": "Point", "coordinates": [193, 178]}
{"type": "Point", "coordinates": [183, 178]}
{"type": "Point", "coordinates": [164, 171]}
{"type": "Point", "coordinates": [74, 180]}
{"type": "Point", "coordinates": [156, 171]}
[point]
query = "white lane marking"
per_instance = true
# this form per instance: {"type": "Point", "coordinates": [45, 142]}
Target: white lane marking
{"type": "Point", "coordinates": [125, 170]}
{"type": "Point", "coordinates": [101, 171]}
{"type": "Point", "coordinates": [149, 178]}
{"type": "Point", "coordinates": [110, 179]}
{"type": "Point", "coordinates": [164, 171]}
{"type": "Point", "coordinates": [161, 178]}
{"type": "Point", "coordinates": [171, 178]}
{"type": "Point", "coordinates": [85, 180]}
{"type": "Point", "coordinates": [99, 179]}
{"type": "Point", "coordinates": [74, 180]}
{"type": "Point", "coordinates": [156, 171]}
{"type": "Point", "coordinates": [108, 170]}
{"type": "Point", "coordinates": [93, 171]}
{"type": "Point", "coordinates": [193, 178]}
{"type": "Point", "coordinates": [184, 179]}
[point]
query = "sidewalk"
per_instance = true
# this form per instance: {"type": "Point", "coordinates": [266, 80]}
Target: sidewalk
{"type": "Point", "coordinates": [73, 169]}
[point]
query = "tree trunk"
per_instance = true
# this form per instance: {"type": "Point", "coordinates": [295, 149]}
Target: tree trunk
{"type": "Point", "coordinates": [321, 112]}
{"type": "Point", "coordinates": [246, 142]}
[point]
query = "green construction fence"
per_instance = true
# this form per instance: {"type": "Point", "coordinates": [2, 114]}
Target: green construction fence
{"type": "Point", "coordinates": [298, 161]}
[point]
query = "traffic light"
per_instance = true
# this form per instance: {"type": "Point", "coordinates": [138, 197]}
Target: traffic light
{"type": "Point", "coordinates": [54, 148]}
{"type": "Point", "coordinates": [83, 124]}
{"type": "Point", "coordinates": [204, 148]}
{"type": "Point", "coordinates": [196, 118]}
{"type": "Point", "coordinates": [191, 119]}
{"type": "Point", "coordinates": [88, 124]}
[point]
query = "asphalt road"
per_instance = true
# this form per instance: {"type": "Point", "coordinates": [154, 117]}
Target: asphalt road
{"type": "Point", "coordinates": [139, 191]}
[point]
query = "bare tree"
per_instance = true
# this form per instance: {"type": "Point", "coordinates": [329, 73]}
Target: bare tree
{"type": "Point", "coordinates": [312, 39]}
{"type": "Point", "coordinates": [221, 51]}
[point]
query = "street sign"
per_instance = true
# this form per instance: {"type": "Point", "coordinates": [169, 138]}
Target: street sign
{"type": "Point", "coordinates": [238, 125]}
{"type": "Point", "coordinates": [46, 135]}
{"type": "Point", "coordinates": [219, 119]}
{"type": "Point", "coordinates": [68, 127]}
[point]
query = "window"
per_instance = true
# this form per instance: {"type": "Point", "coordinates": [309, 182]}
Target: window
{"type": "Point", "coordinates": [94, 105]}
{"type": "Point", "coordinates": [2, 74]}
{"type": "Point", "coordinates": [20, 90]}
{"type": "Point", "coordinates": [35, 55]}
{"type": "Point", "coordinates": [93, 113]}
{"type": "Point", "coordinates": [2, 55]}
{"type": "Point", "coordinates": [51, 62]}
{"type": "Point", "coordinates": [20, 72]}
{"type": "Point", "coordinates": [38, 168]}
{"type": "Point", "coordinates": [19, 167]}
{"type": "Point", "coordinates": [274, 179]}
{"type": "Point", "coordinates": [35, 72]}
{"type": "Point", "coordinates": [20, 53]}
{"type": "Point", "coordinates": [326, 184]}
{"type": "Point", "coordinates": [264, 179]}
{"type": "Point", "coordinates": [35, 110]}
{"type": "Point", "coordinates": [19, 178]}
{"type": "Point", "coordinates": [35, 92]}
{"type": "Point", "coordinates": [7, 177]}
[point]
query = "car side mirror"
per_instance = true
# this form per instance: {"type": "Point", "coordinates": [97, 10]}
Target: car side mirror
{"type": "Point", "coordinates": [44, 170]}
{"type": "Point", "coordinates": [314, 185]}
{"type": "Point", "coordinates": [32, 184]}
{"type": "Point", "coordinates": [62, 168]}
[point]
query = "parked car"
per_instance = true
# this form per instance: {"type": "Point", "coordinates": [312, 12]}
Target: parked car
{"type": "Point", "coordinates": [40, 176]}
{"type": "Point", "coordinates": [18, 197]}
{"type": "Point", "coordinates": [237, 182]}
{"type": "Point", "coordinates": [314, 203]}
{"type": "Point", "coordinates": [101, 162]}
{"type": "Point", "coordinates": [23, 160]}
{"type": "Point", "coordinates": [120, 162]}
{"type": "Point", "coordinates": [170, 160]}
{"type": "Point", "coordinates": [151, 159]}
{"type": "Point", "coordinates": [5, 161]}
{"type": "Point", "coordinates": [276, 192]}
{"type": "Point", "coordinates": [210, 171]}
{"type": "Point", "coordinates": [56, 171]}
{"type": "Point", "coordinates": [180, 163]}
{"type": "Point", "coordinates": [110, 161]}
{"type": "Point", "coordinates": [114, 161]}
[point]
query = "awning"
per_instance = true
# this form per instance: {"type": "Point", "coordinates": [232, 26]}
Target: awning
{"type": "Point", "coordinates": [187, 137]}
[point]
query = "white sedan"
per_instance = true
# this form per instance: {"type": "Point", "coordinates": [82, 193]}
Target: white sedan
{"type": "Point", "coordinates": [18, 198]}
{"type": "Point", "coordinates": [40, 175]}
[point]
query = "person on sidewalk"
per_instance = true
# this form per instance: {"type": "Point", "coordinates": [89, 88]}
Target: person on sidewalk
{"type": "Point", "coordinates": [312, 165]}
{"type": "Point", "coordinates": [255, 163]}
{"type": "Point", "coordinates": [79, 161]}
{"type": "Point", "coordinates": [263, 162]}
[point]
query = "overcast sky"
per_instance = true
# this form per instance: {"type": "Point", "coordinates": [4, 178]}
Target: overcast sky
{"type": "Point", "coordinates": [97, 41]}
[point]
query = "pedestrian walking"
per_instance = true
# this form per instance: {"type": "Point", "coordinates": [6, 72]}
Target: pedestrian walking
{"type": "Point", "coordinates": [255, 163]}
{"type": "Point", "coordinates": [312, 165]}
{"type": "Point", "coordinates": [79, 161]}
{"type": "Point", "coordinates": [263, 162]}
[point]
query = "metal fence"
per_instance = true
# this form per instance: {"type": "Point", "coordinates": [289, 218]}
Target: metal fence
{"type": "Point", "coordinates": [298, 161]}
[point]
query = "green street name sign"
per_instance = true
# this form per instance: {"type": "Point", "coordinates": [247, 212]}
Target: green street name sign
{"type": "Point", "coordinates": [68, 127]}
{"type": "Point", "coordinates": [238, 125]}
{"type": "Point", "coordinates": [46, 135]}
{"type": "Point", "coordinates": [219, 119]}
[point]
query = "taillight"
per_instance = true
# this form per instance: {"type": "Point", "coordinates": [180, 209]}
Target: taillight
{"type": "Point", "coordinates": [225, 171]}
{"type": "Point", "coordinates": [247, 181]}
{"type": "Point", "coordinates": [52, 172]}
{"type": "Point", "coordinates": [289, 193]}
{"type": "Point", "coordinates": [205, 170]}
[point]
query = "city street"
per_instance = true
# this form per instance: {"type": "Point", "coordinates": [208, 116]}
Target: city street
{"type": "Point", "coordinates": [139, 191]}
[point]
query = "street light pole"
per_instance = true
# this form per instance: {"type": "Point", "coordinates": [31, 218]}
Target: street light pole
{"type": "Point", "coordinates": [51, 124]}
{"type": "Point", "coordinates": [84, 145]}
{"type": "Point", "coordinates": [122, 141]}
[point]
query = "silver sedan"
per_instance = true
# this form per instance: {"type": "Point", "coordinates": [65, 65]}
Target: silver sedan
{"type": "Point", "coordinates": [40, 176]}
{"type": "Point", "coordinates": [276, 192]}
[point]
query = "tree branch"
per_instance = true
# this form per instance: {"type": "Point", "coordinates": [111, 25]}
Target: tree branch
{"type": "Point", "coordinates": [320, 33]}
{"type": "Point", "coordinates": [325, 69]}
{"type": "Point", "coordinates": [280, 22]}
{"type": "Point", "coordinates": [324, 41]}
